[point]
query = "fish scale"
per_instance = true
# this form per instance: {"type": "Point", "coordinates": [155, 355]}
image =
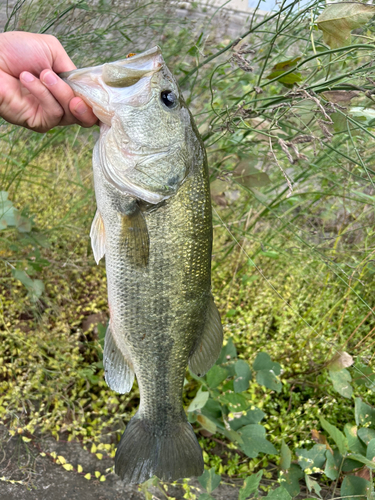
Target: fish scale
{"type": "Point", "coordinates": [154, 225]}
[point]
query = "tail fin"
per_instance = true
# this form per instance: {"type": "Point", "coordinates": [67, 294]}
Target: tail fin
{"type": "Point", "coordinates": [170, 454]}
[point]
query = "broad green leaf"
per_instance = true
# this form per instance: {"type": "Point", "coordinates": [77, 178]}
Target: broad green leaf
{"type": "Point", "coordinates": [264, 362]}
{"type": "Point", "coordinates": [339, 19]}
{"type": "Point", "coordinates": [235, 402]}
{"type": "Point", "coordinates": [251, 417]}
{"type": "Point", "coordinates": [354, 485]}
{"type": "Point", "coordinates": [313, 485]}
{"type": "Point", "coordinates": [315, 457]}
{"type": "Point", "coordinates": [349, 464]}
{"type": "Point", "coordinates": [204, 496]}
{"type": "Point", "coordinates": [247, 175]}
{"type": "Point", "coordinates": [228, 352]}
{"type": "Point", "coordinates": [354, 444]}
{"type": "Point", "coordinates": [363, 460]}
{"type": "Point", "coordinates": [340, 361]}
{"type": "Point", "coordinates": [206, 423]}
{"type": "Point", "coordinates": [243, 372]}
{"type": "Point", "coordinates": [336, 435]}
{"type": "Point", "coordinates": [250, 485]}
{"type": "Point", "coordinates": [269, 380]}
{"type": "Point", "coordinates": [199, 401]}
{"type": "Point", "coordinates": [254, 440]}
{"type": "Point", "coordinates": [364, 414]}
{"type": "Point", "coordinates": [209, 480]}
{"type": "Point", "coordinates": [366, 434]}
{"type": "Point", "coordinates": [212, 409]}
{"type": "Point", "coordinates": [216, 375]}
{"type": "Point", "coordinates": [285, 456]}
{"type": "Point", "coordinates": [288, 80]}
{"type": "Point", "coordinates": [290, 479]}
{"type": "Point", "coordinates": [370, 453]}
{"type": "Point", "coordinates": [333, 464]}
{"type": "Point", "coordinates": [341, 382]}
{"type": "Point", "coordinates": [279, 494]}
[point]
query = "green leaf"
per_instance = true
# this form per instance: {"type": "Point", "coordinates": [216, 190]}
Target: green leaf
{"type": "Point", "coordinates": [364, 414]}
{"type": "Point", "coordinates": [290, 479]}
{"type": "Point", "coordinates": [285, 456]}
{"type": "Point", "coordinates": [254, 441]}
{"type": "Point", "coordinates": [354, 444]}
{"type": "Point", "coordinates": [243, 372]}
{"type": "Point", "coordinates": [206, 423]}
{"type": "Point", "coordinates": [34, 287]}
{"type": "Point", "coordinates": [341, 382]}
{"type": "Point", "coordinates": [269, 380]}
{"type": "Point", "coordinates": [340, 361]}
{"type": "Point", "coordinates": [339, 19]}
{"type": "Point", "coordinates": [209, 480]}
{"type": "Point", "coordinates": [366, 434]}
{"type": "Point", "coordinates": [267, 371]}
{"type": "Point", "coordinates": [212, 409]}
{"type": "Point", "coordinates": [251, 417]}
{"type": "Point", "coordinates": [312, 485]}
{"type": "Point", "coordinates": [215, 376]}
{"type": "Point", "coordinates": [336, 435]}
{"type": "Point", "coordinates": [315, 457]}
{"type": "Point", "coordinates": [370, 453]}
{"type": "Point", "coordinates": [333, 464]}
{"type": "Point", "coordinates": [289, 79]}
{"type": "Point", "coordinates": [354, 485]}
{"type": "Point", "coordinates": [250, 485]}
{"type": "Point", "coordinates": [235, 402]}
{"type": "Point", "coordinates": [204, 496]}
{"type": "Point", "coordinates": [264, 362]}
{"type": "Point", "coordinates": [363, 460]}
{"type": "Point", "coordinates": [279, 494]}
{"type": "Point", "coordinates": [228, 352]}
{"type": "Point", "coordinates": [199, 401]}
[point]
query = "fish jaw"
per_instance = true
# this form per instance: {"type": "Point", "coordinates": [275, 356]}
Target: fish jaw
{"type": "Point", "coordinates": [99, 85]}
{"type": "Point", "coordinates": [145, 145]}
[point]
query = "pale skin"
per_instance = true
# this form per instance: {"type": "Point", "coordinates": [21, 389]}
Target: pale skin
{"type": "Point", "coordinates": [31, 93]}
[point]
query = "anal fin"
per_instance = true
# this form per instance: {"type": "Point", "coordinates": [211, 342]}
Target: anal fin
{"type": "Point", "coordinates": [135, 237]}
{"type": "Point", "coordinates": [97, 235]}
{"type": "Point", "coordinates": [117, 371]}
{"type": "Point", "coordinates": [209, 346]}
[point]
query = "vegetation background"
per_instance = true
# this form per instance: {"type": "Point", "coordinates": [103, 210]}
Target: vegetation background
{"type": "Point", "coordinates": [285, 108]}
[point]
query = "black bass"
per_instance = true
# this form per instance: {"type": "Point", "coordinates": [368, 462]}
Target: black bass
{"type": "Point", "coordinates": [153, 224]}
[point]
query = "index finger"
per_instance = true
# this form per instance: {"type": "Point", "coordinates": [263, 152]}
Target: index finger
{"type": "Point", "coordinates": [79, 112]}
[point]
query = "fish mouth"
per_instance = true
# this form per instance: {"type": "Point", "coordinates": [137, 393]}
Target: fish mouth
{"type": "Point", "coordinates": [122, 81]}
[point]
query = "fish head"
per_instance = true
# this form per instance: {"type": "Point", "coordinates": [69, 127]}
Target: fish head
{"type": "Point", "coordinates": [148, 139]}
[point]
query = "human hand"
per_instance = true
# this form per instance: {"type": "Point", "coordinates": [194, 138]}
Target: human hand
{"type": "Point", "coordinates": [31, 93]}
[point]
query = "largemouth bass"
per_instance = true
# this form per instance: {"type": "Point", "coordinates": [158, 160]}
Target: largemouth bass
{"type": "Point", "coordinates": [153, 224]}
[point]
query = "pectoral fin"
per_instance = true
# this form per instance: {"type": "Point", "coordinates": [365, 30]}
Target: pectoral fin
{"type": "Point", "coordinates": [135, 238]}
{"type": "Point", "coordinates": [209, 346]}
{"type": "Point", "coordinates": [97, 235]}
{"type": "Point", "coordinates": [117, 370]}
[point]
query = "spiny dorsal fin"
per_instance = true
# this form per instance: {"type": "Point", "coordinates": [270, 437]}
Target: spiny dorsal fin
{"type": "Point", "coordinates": [97, 235]}
{"type": "Point", "coordinates": [135, 238]}
{"type": "Point", "coordinates": [118, 373]}
{"type": "Point", "coordinates": [209, 345]}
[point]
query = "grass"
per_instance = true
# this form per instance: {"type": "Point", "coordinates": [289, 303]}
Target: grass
{"type": "Point", "coordinates": [293, 194]}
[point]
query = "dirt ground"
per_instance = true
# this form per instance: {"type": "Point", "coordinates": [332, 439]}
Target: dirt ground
{"type": "Point", "coordinates": [46, 480]}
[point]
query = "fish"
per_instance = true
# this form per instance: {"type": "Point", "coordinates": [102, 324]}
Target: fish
{"type": "Point", "coordinates": [153, 224]}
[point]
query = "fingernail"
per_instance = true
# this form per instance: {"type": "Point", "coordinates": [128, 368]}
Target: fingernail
{"type": "Point", "coordinates": [81, 108]}
{"type": "Point", "coordinates": [50, 78]}
{"type": "Point", "coordinates": [27, 77]}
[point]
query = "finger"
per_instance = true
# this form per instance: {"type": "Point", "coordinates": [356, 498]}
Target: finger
{"type": "Point", "coordinates": [82, 112]}
{"type": "Point", "coordinates": [78, 113]}
{"type": "Point", "coordinates": [49, 112]}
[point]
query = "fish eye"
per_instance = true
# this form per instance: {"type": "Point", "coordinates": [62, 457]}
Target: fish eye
{"type": "Point", "coordinates": [169, 99]}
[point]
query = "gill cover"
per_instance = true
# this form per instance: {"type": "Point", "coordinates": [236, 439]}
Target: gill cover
{"type": "Point", "coordinates": [143, 148]}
